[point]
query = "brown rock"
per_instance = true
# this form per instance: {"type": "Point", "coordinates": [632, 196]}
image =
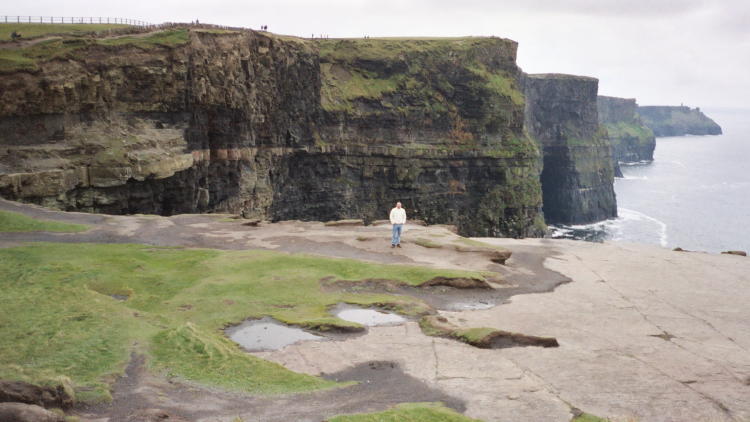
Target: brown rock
{"type": "Point", "coordinates": [154, 415]}
{"type": "Point", "coordinates": [738, 253]}
{"type": "Point", "coordinates": [21, 412]}
{"type": "Point", "coordinates": [352, 222]}
{"type": "Point", "coordinates": [45, 396]}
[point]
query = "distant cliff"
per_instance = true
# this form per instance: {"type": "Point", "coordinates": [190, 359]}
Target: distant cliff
{"type": "Point", "coordinates": [631, 140]}
{"type": "Point", "coordinates": [677, 121]}
{"type": "Point", "coordinates": [578, 171]}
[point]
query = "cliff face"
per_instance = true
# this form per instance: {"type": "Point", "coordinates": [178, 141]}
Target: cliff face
{"type": "Point", "coordinates": [248, 122]}
{"type": "Point", "coordinates": [436, 124]}
{"type": "Point", "coordinates": [631, 140]}
{"type": "Point", "coordinates": [186, 122]}
{"type": "Point", "coordinates": [578, 174]}
{"type": "Point", "coordinates": [678, 121]}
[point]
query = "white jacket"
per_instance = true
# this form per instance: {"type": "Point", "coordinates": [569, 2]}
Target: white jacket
{"type": "Point", "coordinates": [398, 216]}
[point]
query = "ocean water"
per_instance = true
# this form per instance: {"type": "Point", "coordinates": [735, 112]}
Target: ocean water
{"type": "Point", "coordinates": [695, 194]}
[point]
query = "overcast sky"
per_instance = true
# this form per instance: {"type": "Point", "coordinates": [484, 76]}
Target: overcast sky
{"type": "Point", "coordinates": [695, 52]}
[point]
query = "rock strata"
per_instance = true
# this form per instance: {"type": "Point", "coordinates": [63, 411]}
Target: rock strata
{"type": "Point", "coordinates": [277, 128]}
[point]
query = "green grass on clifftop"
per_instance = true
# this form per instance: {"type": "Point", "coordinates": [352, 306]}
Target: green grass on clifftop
{"type": "Point", "coordinates": [15, 222]}
{"type": "Point", "coordinates": [34, 30]}
{"type": "Point", "coordinates": [80, 310]}
{"type": "Point", "coordinates": [409, 412]}
{"type": "Point", "coordinates": [621, 130]}
{"type": "Point", "coordinates": [28, 57]}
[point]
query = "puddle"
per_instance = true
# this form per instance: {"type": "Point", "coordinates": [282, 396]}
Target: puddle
{"type": "Point", "coordinates": [121, 298]}
{"type": "Point", "coordinates": [267, 334]}
{"type": "Point", "coordinates": [367, 317]}
{"type": "Point", "coordinates": [469, 306]}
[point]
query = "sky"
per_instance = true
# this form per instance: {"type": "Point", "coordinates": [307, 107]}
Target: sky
{"type": "Point", "coordinates": [661, 52]}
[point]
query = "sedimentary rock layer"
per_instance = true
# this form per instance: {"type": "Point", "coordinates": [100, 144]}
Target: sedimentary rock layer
{"type": "Point", "coordinates": [631, 140]}
{"type": "Point", "coordinates": [274, 127]}
{"type": "Point", "coordinates": [678, 121]}
{"type": "Point", "coordinates": [577, 178]}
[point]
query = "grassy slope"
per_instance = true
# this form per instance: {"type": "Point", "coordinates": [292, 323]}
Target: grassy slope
{"type": "Point", "coordinates": [340, 91]}
{"type": "Point", "coordinates": [60, 320]}
{"type": "Point", "coordinates": [15, 222]}
{"type": "Point", "coordinates": [408, 412]}
{"type": "Point", "coordinates": [34, 30]}
{"type": "Point", "coordinates": [623, 130]}
{"type": "Point", "coordinates": [28, 57]}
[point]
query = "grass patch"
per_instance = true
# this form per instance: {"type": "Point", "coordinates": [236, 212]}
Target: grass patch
{"type": "Point", "coordinates": [171, 38]}
{"type": "Point", "coordinates": [409, 412]}
{"type": "Point", "coordinates": [35, 30]}
{"type": "Point", "coordinates": [621, 130]}
{"type": "Point", "coordinates": [59, 319]}
{"type": "Point", "coordinates": [16, 222]}
{"type": "Point", "coordinates": [585, 417]}
{"type": "Point", "coordinates": [29, 57]}
{"type": "Point", "coordinates": [427, 243]}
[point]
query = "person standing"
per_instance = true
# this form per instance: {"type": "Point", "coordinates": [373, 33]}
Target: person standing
{"type": "Point", "coordinates": [398, 219]}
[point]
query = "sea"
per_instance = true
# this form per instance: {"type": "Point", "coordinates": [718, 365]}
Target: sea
{"type": "Point", "coordinates": [694, 195]}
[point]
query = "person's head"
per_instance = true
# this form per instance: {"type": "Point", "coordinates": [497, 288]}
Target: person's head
{"type": "Point", "coordinates": [398, 205]}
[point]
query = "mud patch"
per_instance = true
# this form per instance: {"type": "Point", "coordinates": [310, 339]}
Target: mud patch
{"type": "Point", "coordinates": [366, 317]}
{"type": "Point", "coordinates": [379, 386]}
{"type": "Point", "coordinates": [483, 338]}
{"type": "Point", "coordinates": [335, 249]}
{"type": "Point", "coordinates": [267, 334]}
{"type": "Point", "coordinates": [524, 273]}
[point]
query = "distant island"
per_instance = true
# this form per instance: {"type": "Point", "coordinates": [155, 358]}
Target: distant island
{"type": "Point", "coordinates": [677, 121]}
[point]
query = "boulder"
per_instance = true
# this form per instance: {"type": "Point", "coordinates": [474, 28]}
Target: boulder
{"type": "Point", "coordinates": [46, 396]}
{"type": "Point", "coordinates": [153, 415]}
{"type": "Point", "coordinates": [739, 253]}
{"type": "Point", "coordinates": [22, 412]}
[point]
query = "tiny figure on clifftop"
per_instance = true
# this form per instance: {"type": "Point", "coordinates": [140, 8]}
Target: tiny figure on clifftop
{"type": "Point", "coordinates": [398, 219]}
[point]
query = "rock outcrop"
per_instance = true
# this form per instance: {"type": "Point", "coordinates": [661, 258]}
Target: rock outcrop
{"type": "Point", "coordinates": [678, 121]}
{"type": "Point", "coordinates": [578, 173]}
{"type": "Point", "coordinates": [631, 140]}
{"type": "Point", "coordinates": [183, 121]}
{"type": "Point", "coordinates": [238, 121]}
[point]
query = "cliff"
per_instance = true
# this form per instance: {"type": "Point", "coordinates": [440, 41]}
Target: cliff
{"type": "Point", "coordinates": [578, 172]}
{"type": "Point", "coordinates": [273, 127]}
{"type": "Point", "coordinates": [678, 121]}
{"type": "Point", "coordinates": [631, 140]}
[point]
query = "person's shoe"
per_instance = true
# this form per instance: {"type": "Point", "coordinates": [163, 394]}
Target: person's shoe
{"type": "Point", "coordinates": [393, 246]}
{"type": "Point", "coordinates": [398, 246]}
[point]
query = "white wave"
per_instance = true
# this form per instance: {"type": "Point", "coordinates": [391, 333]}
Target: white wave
{"type": "Point", "coordinates": [635, 163]}
{"type": "Point", "coordinates": [628, 214]}
{"type": "Point", "coordinates": [634, 178]}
